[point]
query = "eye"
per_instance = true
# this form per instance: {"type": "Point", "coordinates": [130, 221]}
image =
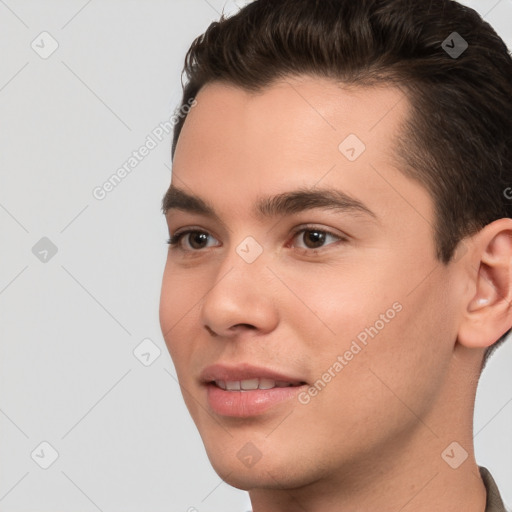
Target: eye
{"type": "Point", "coordinates": [305, 238]}
{"type": "Point", "coordinates": [193, 240]}
{"type": "Point", "coordinates": [314, 238]}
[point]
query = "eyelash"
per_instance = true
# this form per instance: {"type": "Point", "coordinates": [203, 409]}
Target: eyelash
{"type": "Point", "coordinates": [175, 239]}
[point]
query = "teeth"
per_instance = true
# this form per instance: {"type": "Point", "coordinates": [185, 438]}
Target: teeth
{"type": "Point", "coordinates": [267, 384]}
{"type": "Point", "coordinates": [251, 384]}
{"type": "Point", "coordinates": [233, 385]}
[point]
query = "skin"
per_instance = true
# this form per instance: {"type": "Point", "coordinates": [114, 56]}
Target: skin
{"type": "Point", "coordinates": [372, 439]}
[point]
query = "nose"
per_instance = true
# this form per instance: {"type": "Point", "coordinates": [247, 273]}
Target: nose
{"type": "Point", "coordinates": [242, 298]}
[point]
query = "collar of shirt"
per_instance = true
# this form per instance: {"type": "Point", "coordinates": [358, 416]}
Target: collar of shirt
{"type": "Point", "coordinates": [494, 502]}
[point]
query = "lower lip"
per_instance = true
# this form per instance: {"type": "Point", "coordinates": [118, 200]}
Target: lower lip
{"type": "Point", "coordinates": [243, 404]}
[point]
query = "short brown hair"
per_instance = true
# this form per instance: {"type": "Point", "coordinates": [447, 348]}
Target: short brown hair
{"type": "Point", "coordinates": [458, 141]}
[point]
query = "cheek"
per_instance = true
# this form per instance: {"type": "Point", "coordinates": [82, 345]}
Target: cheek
{"type": "Point", "coordinates": [374, 322]}
{"type": "Point", "coordinates": [179, 299]}
{"type": "Point", "coordinates": [403, 360]}
{"type": "Point", "coordinates": [334, 304]}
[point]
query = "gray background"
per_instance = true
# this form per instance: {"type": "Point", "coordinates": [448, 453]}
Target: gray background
{"type": "Point", "coordinates": [70, 323]}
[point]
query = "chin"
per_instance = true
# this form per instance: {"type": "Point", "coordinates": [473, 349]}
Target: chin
{"type": "Point", "coordinates": [249, 479]}
{"type": "Point", "coordinates": [267, 473]}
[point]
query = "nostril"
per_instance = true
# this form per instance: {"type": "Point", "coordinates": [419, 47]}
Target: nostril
{"type": "Point", "coordinates": [210, 331]}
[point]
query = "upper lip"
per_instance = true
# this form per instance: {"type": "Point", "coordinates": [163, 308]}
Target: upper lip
{"type": "Point", "coordinates": [244, 371]}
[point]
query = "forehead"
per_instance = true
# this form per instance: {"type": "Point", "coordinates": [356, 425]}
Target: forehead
{"type": "Point", "coordinates": [302, 104]}
{"type": "Point", "coordinates": [303, 132]}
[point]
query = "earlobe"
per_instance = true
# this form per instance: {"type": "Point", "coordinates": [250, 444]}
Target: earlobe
{"type": "Point", "coordinates": [488, 313]}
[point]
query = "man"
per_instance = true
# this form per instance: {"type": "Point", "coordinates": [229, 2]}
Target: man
{"type": "Point", "coordinates": [340, 258]}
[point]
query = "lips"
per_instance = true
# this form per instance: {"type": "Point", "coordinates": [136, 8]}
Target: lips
{"type": "Point", "coordinates": [244, 390]}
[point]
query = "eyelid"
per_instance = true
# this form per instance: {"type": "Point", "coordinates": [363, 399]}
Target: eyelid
{"type": "Point", "coordinates": [322, 229]}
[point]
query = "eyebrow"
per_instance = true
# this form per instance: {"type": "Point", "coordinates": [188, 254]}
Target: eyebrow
{"type": "Point", "coordinates": [286, 203]}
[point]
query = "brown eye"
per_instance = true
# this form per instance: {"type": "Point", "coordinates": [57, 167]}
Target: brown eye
{"type": "Point", "coordinates": [197, 240]}
{"type": "Point", "coordinates": [312, 238]}
{"type": "Point", "coordinates": [192, 240]}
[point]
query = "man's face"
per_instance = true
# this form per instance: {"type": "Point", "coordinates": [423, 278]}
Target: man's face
{"type": "Point", "coordinates": [345, 301]}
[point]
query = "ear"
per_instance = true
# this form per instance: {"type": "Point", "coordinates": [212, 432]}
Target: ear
{"type": "Point", "coordinates": [488, 311]}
